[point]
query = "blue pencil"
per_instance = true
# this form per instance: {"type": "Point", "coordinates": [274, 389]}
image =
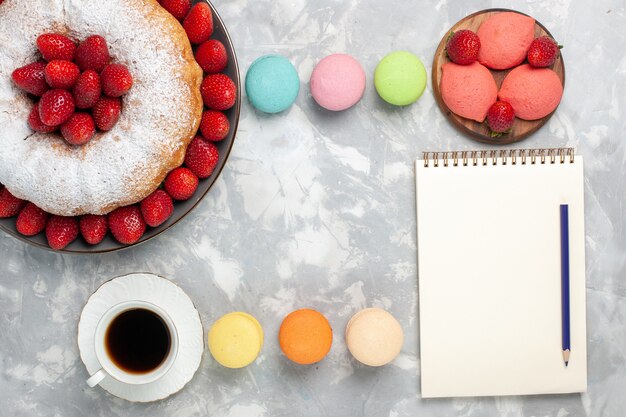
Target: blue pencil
{"type": "Point", "coordinates": [565, 326]}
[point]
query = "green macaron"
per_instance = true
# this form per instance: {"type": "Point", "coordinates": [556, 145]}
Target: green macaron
{"type": "Point", "coordinates": [400, 78]}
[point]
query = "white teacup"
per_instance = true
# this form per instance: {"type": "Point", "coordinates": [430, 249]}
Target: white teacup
{"type": "Point", "coordinates": [109, 367]}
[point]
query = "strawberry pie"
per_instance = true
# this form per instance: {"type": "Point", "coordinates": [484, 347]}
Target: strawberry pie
{"type": "Point", "coordinates": [117, 105]}
{"type": "Point", "coordinates": [100, 104]}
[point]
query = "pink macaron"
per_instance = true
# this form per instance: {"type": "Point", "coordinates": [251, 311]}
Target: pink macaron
{"type": "Point", "coordinates": [338, 82]}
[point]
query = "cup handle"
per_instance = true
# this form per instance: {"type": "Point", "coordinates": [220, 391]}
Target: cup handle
{"type": "Point", "coordinates": [96, 378]}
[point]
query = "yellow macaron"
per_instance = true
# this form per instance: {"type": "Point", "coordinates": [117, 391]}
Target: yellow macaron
{"type": "Point", "coordinates": [235, 340]}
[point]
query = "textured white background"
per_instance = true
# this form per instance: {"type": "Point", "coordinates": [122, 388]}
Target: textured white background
{"type": "Point", "coordinates": [317, 209]}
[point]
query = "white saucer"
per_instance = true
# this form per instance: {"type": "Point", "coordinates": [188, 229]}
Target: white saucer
{"type": "Point", "coordinates": [172, 299]}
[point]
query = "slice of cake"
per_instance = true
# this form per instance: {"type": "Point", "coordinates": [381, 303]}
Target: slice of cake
{"type": "Point", "coordinates": [533, 92]}
{"type": "Point", "coordinates": [504, 39]}
{"type": "Point", "coordinates": [468, 90]}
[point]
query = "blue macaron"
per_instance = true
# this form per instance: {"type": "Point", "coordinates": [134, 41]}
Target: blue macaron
{"type": "Point", "coordinates": [272, 83]}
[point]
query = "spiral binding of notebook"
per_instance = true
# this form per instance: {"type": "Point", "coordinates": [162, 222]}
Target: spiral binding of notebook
{"type": "Point", "coordinates": [502, 157]}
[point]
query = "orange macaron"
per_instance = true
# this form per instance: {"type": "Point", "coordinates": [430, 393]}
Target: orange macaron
{"type": "Point", "coordinates": [305, 336]}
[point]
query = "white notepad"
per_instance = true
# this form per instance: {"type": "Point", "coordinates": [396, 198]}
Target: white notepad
{"type": "Point", "coordinates": [489, 272]}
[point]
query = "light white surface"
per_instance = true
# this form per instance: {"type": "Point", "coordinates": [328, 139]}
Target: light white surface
{"type": "Point", "coordinates": [489, 275]}
{"type": "Point", "coordinates": [167, 296]}
{"type": "Point", "coordinates": [317, 209]}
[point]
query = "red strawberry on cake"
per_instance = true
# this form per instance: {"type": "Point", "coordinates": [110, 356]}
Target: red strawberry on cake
{"type": "Point", "coordinates": [79, 129]}
{"type": "Point", "coordinates": [218, 92]}
{"type": "Point", "coordinates": [201, 157]}
{"type": "Point", "coordinates": [468, 90]}
{"type": "Point", "coordinates": [61, 74]}
{"type": "Point", "coordinates": [31, 78]}
{"type": "Point", "coordinates": [87, 90]}
{"type": "Point", "coordinates": [31, 220]}
{"type": "Point", "coordinates": [199, 23]}
{"type": "Point", "coordinates": [181, 183]}
{"type": "Point", "coordinates": [93, 228]}
{"type": "Point", "coordinates": [211, 56]}
{"type": "Point", "coordinates": [214, 125]}
{"type": "Point", "coordinates": [56, 107]}
{"type": "Point", "coordinates": [116, 80]}
{"type": "Point", "coordinates": [61, 231]}
{"type": "Point", "coordinates": [126, 224]}
{"type": "Point", "coordinates": [9, 204]}
{"type": "Point", "coordinates": [504, 39]}
{"type": "Point", "coordinates": [178, 8]}
{"type": "Point", "coordinates": [54, 46]}
{"type": "Point", "coordinates": [93, 54]}
{"type": "Point", "coordinates": [533, 92]}
{"type": "Point", "coordinates": [106, 112]}
{"type": "Point", "coordinates": [157, 208]}
{"type": "Point", "coordinates": [35, 123]}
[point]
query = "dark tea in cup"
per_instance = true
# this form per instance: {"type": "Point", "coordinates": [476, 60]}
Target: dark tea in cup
{"type": "Point", "coordinates": [137, 341]}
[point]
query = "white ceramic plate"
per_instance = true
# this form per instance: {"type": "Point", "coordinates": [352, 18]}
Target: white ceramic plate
{"type": "Point", "coordinates": [172, 299]}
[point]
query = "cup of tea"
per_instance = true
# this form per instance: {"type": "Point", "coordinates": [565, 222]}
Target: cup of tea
{"type": "Point", "coordinates": [136, 342]}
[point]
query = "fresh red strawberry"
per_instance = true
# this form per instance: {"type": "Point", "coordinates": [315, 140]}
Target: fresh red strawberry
{"type": "Point", "coordinates": [92, 54]}
{"type": "Point", "coordinates": [214, 125]}
{"type": "Point", "coordinates": [126, 224]}
{"type": "Point", "coordinates": [62, 74]}
{"type": "Point", "coordinates": [157, 208]}
{"type": "Point", "coordinates": [116, 80]}
{"type": "Point", "coordinates": [9, 205]}
{"type": "Point", "coordinates": [54, 46]}
{"type": "Point", "coordinates": [31, 220]}
{"type": "Point", "coordinates": [35, 123]}
{"type": "Point", "coordinates": [178, 8]}
{"type": "Point", "coordinates": [55, 107]}
{"type": "Point", "coordinates": [79, 129]}
{"type": "Point", "coordinates": [500, 117]}
{"type": "Point", "coordinates": [31, 78]}
{"type": "Point", "coordinates": [199, 23]}
{"type": "Point", "coordinates": [93, 228]}
{"type": "Point", "coordinates": [463, 46]}
{"type": "Point", "coordinates": [61, 231]}
{"type": "Point", "coordinates": [181, 183]}
{"type": "Point", "coordinates": [211, 56]}
{"type": "Point", "coordinates": [543, 51]}
{"type": "Point", "coordinates": [201, 157]}
{"type": "Point", "coordinates": [87, 90]}
{"type": "Point", "coordinates": [218, 91]}
{"type": "Point", "coordinates": [106, 112]}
